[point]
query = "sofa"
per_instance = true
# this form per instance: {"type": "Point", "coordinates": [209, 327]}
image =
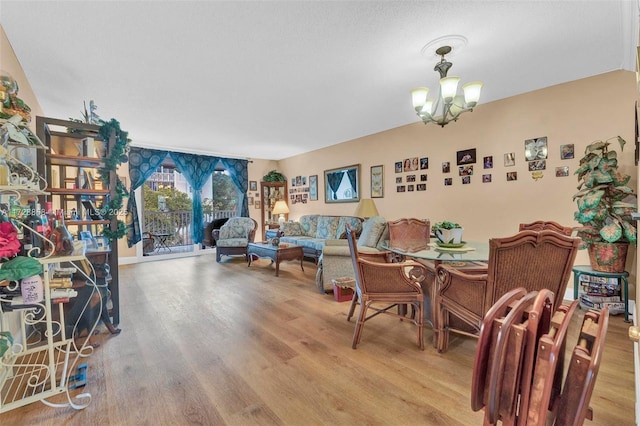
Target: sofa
{"type": "Point", "coordinates": [335, 261]}
{"type": "Point", "coordinates": [312, 231]}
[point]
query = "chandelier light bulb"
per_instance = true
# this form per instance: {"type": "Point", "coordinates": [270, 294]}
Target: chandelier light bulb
{"type": "Point", "coordinates": [419, 97]}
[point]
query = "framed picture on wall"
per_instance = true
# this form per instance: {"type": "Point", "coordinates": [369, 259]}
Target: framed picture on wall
{"type": "Point", "coordinates": [468, 156]}
{"type": "Point", "coordinates": [566, 151]}
{"type": "Point", "coordinates": [342, 185]}
{"type": "Point", "coordinates": [253, 185]}
{"type": "Point", "coordinates": [377, 181]}
{"type": "Point", "coordinates": [313, 188]}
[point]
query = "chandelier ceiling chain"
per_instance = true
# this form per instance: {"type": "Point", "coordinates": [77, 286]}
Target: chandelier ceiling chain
{"type": "Point", "coordinates": [449, 105]}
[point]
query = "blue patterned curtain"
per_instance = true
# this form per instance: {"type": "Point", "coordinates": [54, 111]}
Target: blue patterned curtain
{"type": "Point", "coordinates": [240, 176]}
{"type": "Point", "coordinates": [196, 169]}
{"type": "Point", "coordinates": [142, 163]}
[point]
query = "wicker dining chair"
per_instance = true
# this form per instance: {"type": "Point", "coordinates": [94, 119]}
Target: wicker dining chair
{"type": "Point", "coordinates": [541, 225]}
{"type": "Point", "coordinates": [386, 284]}
{"type": "Point", "coordinates": [529, 259]}
{"type": "Point", "coordinates": [409, 233]}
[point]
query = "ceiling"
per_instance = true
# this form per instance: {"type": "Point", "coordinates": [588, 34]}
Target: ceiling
{"type": "Point", "coordinates": [273, 79]}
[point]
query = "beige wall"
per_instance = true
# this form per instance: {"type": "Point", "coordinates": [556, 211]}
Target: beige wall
{"type": "Point", "coordinates": [578, 112]}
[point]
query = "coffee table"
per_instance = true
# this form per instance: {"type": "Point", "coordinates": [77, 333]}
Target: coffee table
{"type": "Point", "coordinates": [276, 253]}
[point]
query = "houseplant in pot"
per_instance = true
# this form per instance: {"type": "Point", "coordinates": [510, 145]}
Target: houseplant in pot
{"type": "Point", "coordinates": [448, 232]}
{"type": "Point", "coordinates": [605, 204]}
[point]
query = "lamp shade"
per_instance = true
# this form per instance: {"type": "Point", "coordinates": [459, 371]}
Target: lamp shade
{"type": "Point", "coordinates": [366, 208]}
{"type": "Point", "coordinates": [280, 207]}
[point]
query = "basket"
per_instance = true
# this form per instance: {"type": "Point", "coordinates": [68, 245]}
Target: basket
{"type": "Point", "coordinates": [608, 257]}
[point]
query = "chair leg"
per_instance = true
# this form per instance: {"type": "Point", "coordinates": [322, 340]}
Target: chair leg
{"type": "Point", "coordinates": [420, 321]}
{"type": "Point", "coordinates": [443, 330]}
{"type": "Point", "coordinates": [357, 335]}
{"type": "Point", "coordinates": [352, 308]}
{"type": "Point", "coordinates": [218, 255]}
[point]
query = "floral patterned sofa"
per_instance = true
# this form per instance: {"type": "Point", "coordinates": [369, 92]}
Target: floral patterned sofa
{"type": "Point", "coordinates": [311, 232]}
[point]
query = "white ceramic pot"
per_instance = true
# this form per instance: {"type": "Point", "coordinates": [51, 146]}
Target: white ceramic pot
{"type": "Point", "coordinates": [450, 236]}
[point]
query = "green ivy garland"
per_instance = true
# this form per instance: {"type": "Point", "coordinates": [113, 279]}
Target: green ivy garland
{"type": "Point", "coordinates": [116, 156]}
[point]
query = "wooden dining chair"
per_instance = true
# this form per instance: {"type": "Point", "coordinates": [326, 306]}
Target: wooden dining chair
{"type": "Point", "coordinates": [541, 225]}
{"type": "Point", "coordinates": [485, 349]}
{"type": "Point", "coordinates": [386, 284]}
{"type": "Point", "coordinates": [529, 259]}
{"type": "Point", "coordinates": [572, 406]}
{"type": "Point", "coordinates": [506, 354]}
{"type": "Point", "coordinates": [549, 367]}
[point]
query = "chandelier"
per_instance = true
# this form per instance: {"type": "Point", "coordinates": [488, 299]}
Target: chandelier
{"type": "Point", "coordinates": [449, 105]}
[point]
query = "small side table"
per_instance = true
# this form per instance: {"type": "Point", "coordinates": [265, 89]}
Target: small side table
{"type": "Point", "coordinates": [580, 270]}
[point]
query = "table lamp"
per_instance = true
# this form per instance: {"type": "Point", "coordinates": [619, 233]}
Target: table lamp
{"type": "Point", "coordinates": [280, 207]}
{"type": "Point", "coordinates": [366, 208]}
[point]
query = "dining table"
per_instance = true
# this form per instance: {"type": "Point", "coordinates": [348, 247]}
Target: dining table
{"type": "Point", "coordinates": [470, 256]}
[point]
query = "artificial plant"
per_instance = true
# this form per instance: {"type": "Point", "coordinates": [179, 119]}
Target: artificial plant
{"type": "Point", "coordinates": [116, 155]}
{"type": "Point", "coordinates": [274, 176]}
{"type": "Point", "coordinates": [446, 225]}
{"type": "Point", "coordinates": [605, 201]}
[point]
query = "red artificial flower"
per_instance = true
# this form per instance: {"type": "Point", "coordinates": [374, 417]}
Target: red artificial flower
{"type": "Point", "coordinates": [9, 243]}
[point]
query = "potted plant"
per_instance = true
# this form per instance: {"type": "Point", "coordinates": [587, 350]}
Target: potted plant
{"type": "Point", "coordinates": [448, 232]}
{"type": "Point", "coordinates": [605, 204]}
{"type": "Point", "coordinates": [274, 176]}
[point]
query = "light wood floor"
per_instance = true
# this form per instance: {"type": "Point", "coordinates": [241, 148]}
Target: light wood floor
{"type": "Point", "coordinates": [214, 344]}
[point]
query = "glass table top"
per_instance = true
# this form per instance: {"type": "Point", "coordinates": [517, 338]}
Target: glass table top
{"type": "Point", "coordinates": [471, 251]}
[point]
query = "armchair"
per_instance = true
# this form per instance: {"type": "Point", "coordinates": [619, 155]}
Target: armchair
{"type": "Point", "coordinates": [335, 260]}
{"type": "Point", "coordinates": [234, 236]}
{"type": "Point", "coordinates": [390, 284]}
{"type": "Point", "coordinates": [529, 259]}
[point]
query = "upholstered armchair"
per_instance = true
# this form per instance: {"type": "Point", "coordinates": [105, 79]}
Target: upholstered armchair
{"type": "Point", "coordinates": [234, 236]}
{"type": "Point", "coordinates": [529, 259]}
{"type": "Point", "coordinates": [335, 261]}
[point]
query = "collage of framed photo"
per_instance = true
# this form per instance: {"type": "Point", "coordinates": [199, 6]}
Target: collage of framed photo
{"type": "Point", "coordinates": [301, 189]}
{"type": "Point", "coordinates": [417, 165]}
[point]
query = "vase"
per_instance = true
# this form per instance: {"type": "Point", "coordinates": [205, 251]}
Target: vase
{"type": "Point", "coordinates": [449, 236]}
{"type": "Point", "coordinates": [608, 257]}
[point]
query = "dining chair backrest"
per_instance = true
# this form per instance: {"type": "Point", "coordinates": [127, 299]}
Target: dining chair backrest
{"type": "Point", "coordinates": [409, 233]}
{"type": "Point", "coordinates": [541, 225]}
{"type": "Point", "coordinates": [533, 260]}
